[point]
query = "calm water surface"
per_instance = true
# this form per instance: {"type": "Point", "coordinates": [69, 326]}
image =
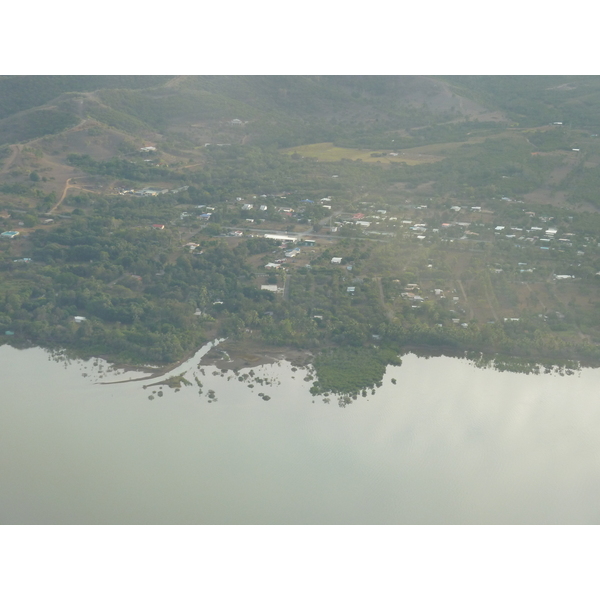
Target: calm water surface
{"type": "Point", "coordinates": [449, 443]}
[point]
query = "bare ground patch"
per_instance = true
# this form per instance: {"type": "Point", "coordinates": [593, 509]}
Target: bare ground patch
{"type": "Point", "coordinates": [241, 354]}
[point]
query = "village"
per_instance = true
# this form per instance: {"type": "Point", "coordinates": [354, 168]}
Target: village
{"type": "Point", "coordinates": [526, 254]}
{"type": "Point", "coordinates": [525, 251]}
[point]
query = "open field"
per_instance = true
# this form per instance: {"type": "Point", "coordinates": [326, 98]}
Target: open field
{"type": "Point", "coordinates": [327, 152]}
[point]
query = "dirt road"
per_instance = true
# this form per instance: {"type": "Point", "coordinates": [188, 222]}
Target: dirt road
{"type": "Point", "coordinates": [62, 197]}
{"type": "Point", "coordinates": [462, 289]}
{"type": "Point", "coordinates": [286, 286]}
{"type": "Point", "coordinates": [68, 186]}
{"type": "Point", "coordinates": [386, 309]}
{"type": "Point", "coordinates": [489, 300]}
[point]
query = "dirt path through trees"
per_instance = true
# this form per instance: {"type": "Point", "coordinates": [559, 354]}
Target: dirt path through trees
{"type": "Point", "coordinates": [462, 289]}
{"type": "Point", "coordinates": [62, 197]}
{"type": "Point", "coordinates": [386, 309]}
{"type": "Point", "coordinates": [489, 299]}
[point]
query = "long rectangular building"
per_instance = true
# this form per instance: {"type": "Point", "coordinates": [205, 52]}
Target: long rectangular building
{"type": "Point", "coordinates": [281, 238]}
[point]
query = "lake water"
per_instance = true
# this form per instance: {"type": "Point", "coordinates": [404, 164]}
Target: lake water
{"type": "Point", "coordinates": [449, 443]}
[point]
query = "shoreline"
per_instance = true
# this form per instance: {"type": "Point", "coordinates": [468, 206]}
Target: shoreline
{"type": "Point", "coordinates": [154, 372]}
{"type": "Point", "coordinates": [232, 355]}
{"type": "Point", "coordinates": [225, 355]}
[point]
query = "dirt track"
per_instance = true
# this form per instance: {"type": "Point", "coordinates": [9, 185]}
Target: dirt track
{"type": "Point", "coordinates": [67, 186]}
{"type": "Point", "coordinates": [462, 289]}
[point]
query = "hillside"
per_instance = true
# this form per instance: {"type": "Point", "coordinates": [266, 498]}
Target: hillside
{"type": "Point", "coordinates": [160, 103]}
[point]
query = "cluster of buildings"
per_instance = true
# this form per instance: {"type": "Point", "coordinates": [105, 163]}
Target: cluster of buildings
{"type": "Point", "coordinates": [289, 253]}
{"type": "Point", "coordinates": [546, 237]}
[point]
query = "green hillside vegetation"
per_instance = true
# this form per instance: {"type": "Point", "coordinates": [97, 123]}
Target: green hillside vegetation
{"type": "Point", "coordinates": [533, 101]}
{"type": "Point", "coordinates": [36, 123]}
{"type": "Point", "coordinates": [159, 109]}
{"type": "Point", "coordinates": [29, 91]}
{"type": "Point", "coordinates": [583, 184]}
{"type": "Point", "coordinates": [119, 167]}
{"type": "Point", "coordinates": [117, 119]}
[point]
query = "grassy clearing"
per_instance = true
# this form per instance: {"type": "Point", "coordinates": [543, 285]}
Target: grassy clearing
{"type": "Point", "coordinates": [327, 152]}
